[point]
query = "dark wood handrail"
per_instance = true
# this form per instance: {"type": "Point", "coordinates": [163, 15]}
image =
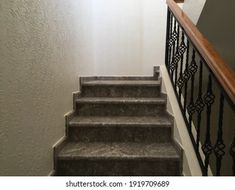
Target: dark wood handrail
{"type": "Point", "coordinates": [179, 1]}
{"type": "Point", "coordinates": [223, 72]}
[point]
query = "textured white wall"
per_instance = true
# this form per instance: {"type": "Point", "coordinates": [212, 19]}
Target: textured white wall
{"type": "Point", "coordinates": [154, 33]}
{"type": "Point", "coordinates": [117, 36]}
{"type": "Point", "coordinates": [129, 36]}
{"type": "Point", "coordinates": [193, 9]}
{"type": "Point", "coordinates": [44, 46]}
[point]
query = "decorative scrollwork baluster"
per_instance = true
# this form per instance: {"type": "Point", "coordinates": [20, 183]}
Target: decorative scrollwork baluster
{"type": "Point", "coordinates": [219, 146]}
{"type": "Point", "coordinates": [168, 37]}
{"type": "Point", "coordinates": [207, 147]}
{"type": "Point", "coordinates": [179, 50]}
{"type": "Point", "coordinates": [186, 77]}
{"type": "Point", "coordinates": [172, 42]}
{"type": "Point", "coordinates": [180, 82]}
{"type": "Point", "coordinates": [177, 57]}
{"type": "Point", "coordinates": [199, 105]}
{"type": "Point", "coordinates": [232, 153]}
{"type": "Point", "coordinates": [191, 107]}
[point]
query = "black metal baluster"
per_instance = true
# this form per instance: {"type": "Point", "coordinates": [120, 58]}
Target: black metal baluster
{"type": "Point", "coordinates": [180, 82]}
{"type": "Point", "coordinates": [191, 107]}
{"type": "Point", "coordinates": [178, 36]}
{"type": "Point", "coordinates": [168, 36]}
{"type": "Point", "coordinates": [178, 53]}
{"type": "Point", "coordinates": [186, 77]}
{"type": "Point", "coordinates": [174, 38]}
{"type": "Point", "coordinates": [232, 153]}
{"type": "Point", "coordinates": [171, 42]}
{"type": "Point", "coordinates": [199, 105]}
{"type": "Point", "coordinates": [167, 48]}
{"type": "Point", "coordinates": [207, 147]}
{"type": "Point", "coordinates": [219, 146]}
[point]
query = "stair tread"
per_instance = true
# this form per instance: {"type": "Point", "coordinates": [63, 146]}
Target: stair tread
{"type": "Point", "coordinates": [118, 150]}
{"type": "Point", "coordinates": [122, 82]}
{"type": "Point", "coordinates": [158, 100]}
{"type": "Point", "coordinates": [124, 78]}
{"type": "Point", "coordinates": [163, 119]}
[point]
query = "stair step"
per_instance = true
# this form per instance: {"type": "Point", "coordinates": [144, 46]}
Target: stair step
{"type": "Point", "coordinates": [122, 121]}
{"type": "Point", "coordinates": [117, 151]}
{"type": "Point", "coordinates": [122, 106]}
{"type": "Point", "coordinates": [120, 100]}
{"type": "Point", "coordinates": [118, 159]}
{"type": "Point", "coordinates": [121, 88]}
{"type": "Point", "coordinates": [121, 129]}
{"type": "Point", "coordinates": [122, 83]}
{"type": "Point", "coordinates": [118, 78]}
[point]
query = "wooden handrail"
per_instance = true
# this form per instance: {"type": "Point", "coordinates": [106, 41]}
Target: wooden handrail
{"type": "Point", "coordinates": [222, 71]}
{"type": "Point", "coordinates": [179, 1]}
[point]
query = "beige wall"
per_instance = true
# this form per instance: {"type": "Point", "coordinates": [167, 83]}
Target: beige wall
{"type": "Point", "coordinates": [44, 46]}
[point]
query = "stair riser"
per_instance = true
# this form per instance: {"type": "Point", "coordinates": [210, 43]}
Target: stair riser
{"type": "Point", "coordinates": [120, 134]}
{"type": "Point", "coordinates": [161, 167]}
{"type": "Point", "coordinates": [112, 109]}
{"type": "Point", "coordinates": [120, 91]}
{"type": "Point", "coordinates": [133, 78]}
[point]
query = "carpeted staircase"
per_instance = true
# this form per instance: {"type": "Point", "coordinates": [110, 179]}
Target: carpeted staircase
{"type": "Point", "coordinates": [119, 127]}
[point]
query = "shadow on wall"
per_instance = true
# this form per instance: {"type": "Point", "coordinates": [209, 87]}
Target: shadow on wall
{"type": "Point", "coordinates": [220, 28]}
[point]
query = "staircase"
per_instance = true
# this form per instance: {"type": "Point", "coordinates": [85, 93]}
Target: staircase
{"type": "Point", "coordinates": [120, 127]}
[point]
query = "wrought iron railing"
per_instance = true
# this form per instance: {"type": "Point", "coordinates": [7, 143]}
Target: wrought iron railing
{"type": "Point", "coordinates": [205, 88]}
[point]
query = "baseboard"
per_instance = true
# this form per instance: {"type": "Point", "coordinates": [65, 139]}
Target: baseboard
{"type": "Point", "coordinates": [190, 163]}
{"type": "Point", "coordinates": [52, 173]}
{"type": "Point", "coordinates": [61, 142]}
{"type": "Point", "coordinates": [56, 148]}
